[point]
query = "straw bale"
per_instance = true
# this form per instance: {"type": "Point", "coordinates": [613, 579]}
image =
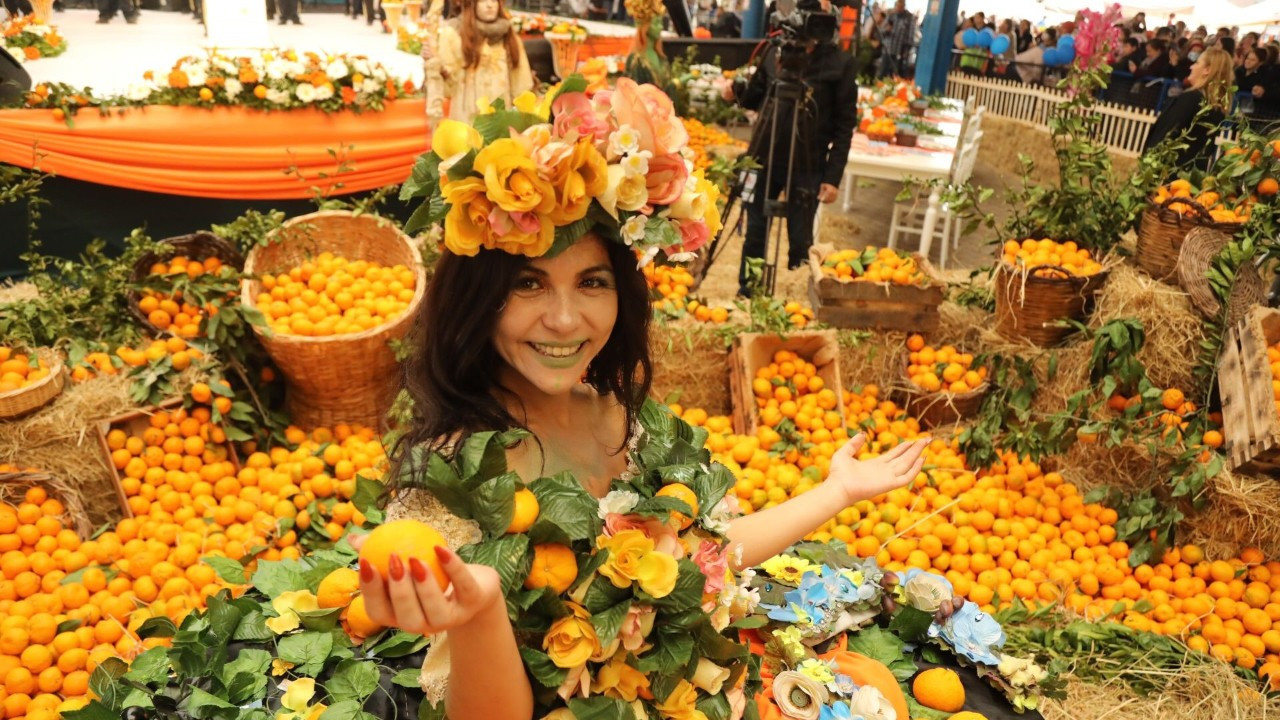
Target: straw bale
{"type": "Point", "coordinates": [1239, 512]}
{"type": "Point", "coordinates": [1204, 692]}
{"type": "Point", "coordinates": [1021, 138]}
{"type": "Point", "coordinates": [691, 362]}
{"type": "Point", "coordinates": [17, 291]}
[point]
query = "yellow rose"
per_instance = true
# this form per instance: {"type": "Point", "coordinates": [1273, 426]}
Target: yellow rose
{"type": "Point", "coordinates": [529, 234]}
{"type": "Point", "coordinates": [617, 679]}
{"type": "Point", "coordinates": [511, 178]}
{"type": "Point", "coordinates": [572, 640]}
{"type": "Point", "coordinates": [579, 178]}
{"type": "Point", "coordinates": [287, 607]}
{"type": "Point", "coordinates": [622, 192]}
{"type": "Point", "coordinates": [626, 550]}
{"type": "Point", "coordinates": [680, 704]}
{"type": "Point", "coordinates": [453, 139]}
{"type": "Point", "coordinates": [712, 193]}
{"type": "Point", "coordinates": [657, 574]}
{"type": "Point", "coordinates": [527, 102]}
{"type": "Point", "coordinates": [466, 227]}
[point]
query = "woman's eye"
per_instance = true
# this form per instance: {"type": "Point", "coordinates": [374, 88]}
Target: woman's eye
{"type": "Point", "coordinates": [527, 284]}
{"type": "Point", "coordinates": [596, 283]}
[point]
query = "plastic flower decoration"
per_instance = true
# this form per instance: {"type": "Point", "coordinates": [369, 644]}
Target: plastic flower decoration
{"type": "Point", "coordinates": [288, 606]}
{"type": "Point", "coordinates": [787, 568]}
{"type": "Point", "coordinates": [532, 179]}
{"type": "Point", "coordinates": [972, 634]}
{"type": "Point", "coordinates": [1097, 33]}
{"type": "Point", "coordinates": [924, 590]}
{"type": "Point", "coordinates": [296, 703]}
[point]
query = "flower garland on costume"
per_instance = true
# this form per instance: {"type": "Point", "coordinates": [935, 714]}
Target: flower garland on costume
{"type": "Point", "coordinates": [620, 605]}
{"type": "Point", "coordinates": [533, 179]}
{"type": "Point", "coordinates": [819, 592]}
{"type": "Point", "coordinates": [35, 39]}
{"type": "Point", "coordinates": [273, 80]}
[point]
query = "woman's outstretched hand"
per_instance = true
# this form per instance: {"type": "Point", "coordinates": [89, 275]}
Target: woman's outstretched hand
{"type": "Point", "coordinates": [412, 601]}
{"type": "Point", "coordinates": [864, 479]}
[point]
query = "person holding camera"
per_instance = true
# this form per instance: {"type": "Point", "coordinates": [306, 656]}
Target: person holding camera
{"type": "Point", "coordinates": [827, 117]}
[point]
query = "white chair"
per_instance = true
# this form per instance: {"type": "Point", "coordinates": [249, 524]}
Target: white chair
{"type": "Point", "coordinates": [908, 217]}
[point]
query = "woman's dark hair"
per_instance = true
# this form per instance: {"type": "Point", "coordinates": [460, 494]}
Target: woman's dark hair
{"type": "Point", "coordinates": [453, 369]}
{"type": "Point", "coordinates": [1261, 53]}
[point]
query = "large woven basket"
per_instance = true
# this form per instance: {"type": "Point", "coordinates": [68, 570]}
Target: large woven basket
{"type": "Point", "coordinates": [339, 378]}
{"type": "Point", "coordinates": [938, 409]}
{"type": "Point", "coordinates": [1198, 252]}
{"type": "Point", "coordinates": [1161, 233]}
{"type": "Point", "coordinates": [1031, 307]}
{"type": "Point", "coordinates": [26, 399]}
{"type": "Point", "coordinates": [14, 486]}
{"type": "Point", "coordinates": [197, 246]}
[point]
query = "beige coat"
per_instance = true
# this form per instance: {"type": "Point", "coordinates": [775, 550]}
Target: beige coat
{"type": "Point", "coordinates": [494, 77]}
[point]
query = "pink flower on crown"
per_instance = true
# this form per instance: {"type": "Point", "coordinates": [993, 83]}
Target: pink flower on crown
{"type": "Point", "coordinates": [662, 534]}
{"type": "Point", "coordinates": [574, 113]}
{"type": "Point", "coordinates": [650, 112]}
{"type": "Point", "coordinates": [666, 178]}
{"type": "Point", "coordinates": [713, 560]}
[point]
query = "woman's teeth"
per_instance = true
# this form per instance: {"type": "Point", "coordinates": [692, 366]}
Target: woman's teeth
{"type": "Point", "coordinates": [558, 351]}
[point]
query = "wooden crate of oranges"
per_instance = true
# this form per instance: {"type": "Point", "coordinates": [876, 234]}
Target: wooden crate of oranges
{"type": "Point", "coordinates": [164, 445]}
{"type": "Point", "coordinates": [809, 358]}
{"type": "Point", "coordinates": [878, 288]}
{"type": "Point", "coordinates": [1249, 384]}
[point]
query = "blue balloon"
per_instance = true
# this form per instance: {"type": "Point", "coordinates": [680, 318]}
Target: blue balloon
{"type": "Point", "coordinates": [1066, 41]}
{"type": "Point", "coordinates": [1066, 54]}
{"type": "Point", "coordinates": [1000, 45]}
{"type": "Point", "coordinates": [970, 38]}
{"type": "Point", "coordinates": [1051, 57]}
{"type": "Point", "coordinates": [985, 37]}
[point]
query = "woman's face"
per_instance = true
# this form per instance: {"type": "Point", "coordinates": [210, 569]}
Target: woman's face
{"type": "Point", "coordinates": [487, 10]}
{"type": "Point", "coordinates": [1251, 61]}
{"type": "Point", "coordinates": [1199, 74]}
{"type": "Point", "coordinates": [559, 316]}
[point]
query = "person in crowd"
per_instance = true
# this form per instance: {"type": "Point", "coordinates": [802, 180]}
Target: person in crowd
{"type": "Point", "coordinates": [18, 7]}
{"type": "Point", "coordinates": [979, 21]}
{"type": "Point", "coordinates": [1194, 48]}
{"type": "Point", "coordinates": [1138, 23]}
{"type": "Point", "coordinates": [831, 118]}
{"type": "Point", "coordinates": [1006, 30]}
{"type": "Point", "coordinates": [107, 9]}
{"type": "Point", "coordinates": [1179, 65]}
{"type": "Point", "coordinates": [480, 57]}
{"type": "Point", "coordinates": [898, 34]}
{"type": "Point", "coordinates": [1028, 65]}
{"type": "Point", "coordinates": [1208, 88]}
{"type": "Point", "coordinates": [1247, 43]}
{"type": "Point", "coordinates": [288, 12]}
{"type": "Point", "coordinates": [958, 40]}
{"type": "Point", "coordinates": [1131, 56]}
{"type": "Point", "coordinates": [1228, 44]}
{"type": "Point", "coordinates": [1155, 64]}
{"type": "Point", "coordinates": [1024, 36]}
{"type": "Point", "coordinates": [1180, 29]}
{"type": "Point", "coordinates": [873, 39]}
{"type": "Point", "coordinates": [727, 24]}
{"type": "Point", "coordinates": [1259, 78]}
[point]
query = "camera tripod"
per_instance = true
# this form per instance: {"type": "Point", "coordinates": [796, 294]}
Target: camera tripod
{"type": "Point", "coordinates": [786, 89]}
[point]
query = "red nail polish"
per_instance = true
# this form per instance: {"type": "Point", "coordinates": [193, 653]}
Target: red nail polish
{"type": "Point", "coordinates": [396, 567]}
{"type": "Point", "coordinates": [417, 569]}
{"type": "Point", "coordinates": [443, 553]}
{"type": "Point", "coordinates": [366, 570]}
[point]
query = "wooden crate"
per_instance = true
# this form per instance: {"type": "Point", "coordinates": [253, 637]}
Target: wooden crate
{"type": "Point", "coordinates": [1251, 424]}
{"type": "Point", "coordinates": [133, 423]}
{"type": "Point", "coordinates": [752, 351]}
{"type": "Point", "coordinates": [880, 306]}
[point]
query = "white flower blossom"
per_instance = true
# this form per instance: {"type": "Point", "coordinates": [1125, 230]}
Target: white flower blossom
{"type": "Point", "coordinates": [306, 92]}
{"type": "Point", "coordinates": [232, 87]}
{"type": "Point", "coordinates": [336, 70]}
{"type": "Point", "coordinates": [649, 254]}
{"type": "Point", "coordinates": [196, 75]}
{"type": "Point", "coordinates": [623, 141]}
{"type": "Point", "coordinates": [38, 29]}
{"type": "Point", "coordinates": [360, 65]}
{"type": "Point", "coordinates": [619, 502]}
{"type": "Point", "coordinates": [636, 164]}
{"type": "Point", "coordinates": [871, 704]}
{"type": "Point", "coordinates": [324, 92]}
{"type": "Point", "coordinates": [633, 229]}
{"type": "Point", "coordinates": [275, 69]}
{"type": "Point", "coordinates": [378, 73]}
{"type": "Point", "coordinates": [278, 97]}
{"type": "Point", "coordinates": [370, 87]}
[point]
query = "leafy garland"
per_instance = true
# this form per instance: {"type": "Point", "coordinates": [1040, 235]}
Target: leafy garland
{"type": "Point", "coordinates": [688, 619]}
{"type": "Point", "coordinates": [33, 38]}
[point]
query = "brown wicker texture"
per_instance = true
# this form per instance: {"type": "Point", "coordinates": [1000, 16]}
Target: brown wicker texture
{"type": "Point", "coordinates": [197, 246]}
{"type": "Point", "coordinates": [1161, 233]}
{"type": "Point", "coordinates": [25, 399]}
{"type": "Point", "coordinates": [940, 408]}
{"type": "Point", "coordinates": [1030, 307]}
{"type": "Point", "coordinates": [339, 378]}
{"type": "Point", "coordinates": [13, 490]}
{"type": "Point", "coordinates": [1198, 252]}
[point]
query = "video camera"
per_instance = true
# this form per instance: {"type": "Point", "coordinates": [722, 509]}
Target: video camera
{"type": "Point", "coordinates": [800, 21]}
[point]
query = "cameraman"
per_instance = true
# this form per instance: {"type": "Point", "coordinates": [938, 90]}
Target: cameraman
{"type": "Point", "coordinates": [828, 117]}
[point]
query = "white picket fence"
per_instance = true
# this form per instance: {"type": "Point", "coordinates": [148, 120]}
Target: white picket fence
{"type": "Point", "coordinates": [1123, 129]}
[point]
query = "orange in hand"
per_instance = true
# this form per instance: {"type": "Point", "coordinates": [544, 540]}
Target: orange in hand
{"type": "Point", "coordinates": [408, 539]}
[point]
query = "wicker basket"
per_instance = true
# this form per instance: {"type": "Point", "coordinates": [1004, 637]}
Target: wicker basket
{"type": "Point", "coordinates": [1162, 231]}
{"type": "Point", "coordinates": [1198, 252]}
{"type": "Point", "coordinates": [14, 486]}
{"type": "Point", "coordinates": [36, 395]}
{"type": "Point", "coordinates": [197, 245]}
{"type": "Point", "coordinates": [339, 378]}
{"type": "Point", "coordinates": [564, 53]}
{"type": "Point", "coordinates": [1030, 307]}
{"type": "Point", "coordinates": [940, 408]}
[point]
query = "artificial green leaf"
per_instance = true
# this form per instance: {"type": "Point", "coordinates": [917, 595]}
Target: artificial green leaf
{"type": "Point", "coordinates": [407, 677]}
{"type": "Point", "coordinates": [273, 578]}
{"type": "Point", "coordinates": [253, 626]}
{"type": "Point", "coordinates": [608, 622]}
{"type": "Point", "coordinates": [399, 644]}
{"type": "Point", "coordinates": [95, 710]}
{"type": "Point", "coordinates": [566, 512]}
{"type": "Point", "coordinates": [662, 506]}
{"type": "Point", "coordinates": [599, 708]}
{"type": "Point", "coordinates": [200, 704]}
{"type": "Point", "coordinates": [368, 493]}
{"type": "Point", "coordinates": [671, 650]}
{"type": "Point", "coordinates": [246, 677]}
{"type": "Point", "coordinates": [687, 592]}
{"type": "Point", "coordinates": [509, 555]}
{"type": "Point", "coordinates": [353, 680]}
{"type": "Point", "coordinates": [323, 619]}
{"type": "Point", "coordinates": [345, 710]}
{"type": "Point", "coordinates": [308, 650]}
{"type": "Point", "coordinates": [229, 570]}
{"type": "Point", "coordinates": [494, 503]}
{"type": "Point", "coordinates": [715, 707]}
{"type": "Point", "coordinates": [920, 711]}
{"type": "Point", "coordinates": [105, 682]}
{"type": "Point", "coordinates": [602, 593]}
{"type": "Point", "coordinates": [150, 668]}
{"type": "Point", "coordinates": [541, 667]}
{"type": "Point", "coordinates": [423, 179]}
{"type": "Point", "coordinates": [885, 647]}
{"type": "Point", "coordinates": [157, 627]}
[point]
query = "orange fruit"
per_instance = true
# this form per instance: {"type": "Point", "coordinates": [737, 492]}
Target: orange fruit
{"type": "Point", "coordinates": [338, 588]}
{"type": "Point", "coordinates": [682, 492]}
{"type": "Point", "coordinates": [526, 511]}
{"type": "Point", "coordinates": [940, 689]}
{"type": "Point", "coordinates": [554, 566]}
{"type": "Point", "coordinates": [408, 539]}
{"type": "Point", "coordinates": [358, 621]}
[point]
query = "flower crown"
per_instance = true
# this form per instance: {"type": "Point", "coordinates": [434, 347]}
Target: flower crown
{"type": "Point", "coordinates": [532, 179]}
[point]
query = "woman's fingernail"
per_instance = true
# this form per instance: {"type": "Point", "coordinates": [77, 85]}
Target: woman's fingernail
{"type": "Point", "coordinates": [366, 570]}
{"type": "Point", "coordinates": [395, 567]}
{"type": "Point", "coordinates": [417, 569]}
{"type": "Point", "coordinates": [443, 553]}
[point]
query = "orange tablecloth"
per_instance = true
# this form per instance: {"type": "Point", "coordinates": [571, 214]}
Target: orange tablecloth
{"type": "Point", "coordinates": [601, 45]}
{"type": "Point", "coordinates": [224, 152]}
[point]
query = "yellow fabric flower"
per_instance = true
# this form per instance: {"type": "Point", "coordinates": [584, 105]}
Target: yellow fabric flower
{"type": "Point", "coordinates": [287, 607]}
{"type": "Point", "coordinates": [657, 575]}
{"type": "Point", "coordinates": [527, 102]}
{"type": "Point", "coordinates": [572, 640]}
{"type": "Point", "coordinates": [511, 178]}
{"type": "Point", "coordinates": [296, 702]}
{"type": "Point", "coordinates": [453, 139]}
{"type": "Point", "coordinates": [280, 667]}
{"type": "Point", "coordinates": [626, 549]}
{"type": "Point", "coordinates": [581, 177]}
{"type": "Point", "coordinates": [466, 227]}
{"type": "Point", "coordinates": [680, 704]}
{"type": "Point", "coordinates": [617, 679]}
{"type": "Point", "coordinates": [712, 193]}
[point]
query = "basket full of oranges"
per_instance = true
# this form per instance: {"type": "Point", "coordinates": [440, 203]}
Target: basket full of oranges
{"type": "Point", "coordinates": [195, 255]}
{"type": "Point", "coordinates": [880, 288]}
{"type": "Point", "coordinates": [28, 380]}
{"type": "Point", "coordinates": [942, 385]}
{"type": "Point", "coordinates": [1176, 209]}
{"type": "Point", "coordinates": [1039, 283]}
{"type": "Point", "coordinates": [335, 288]}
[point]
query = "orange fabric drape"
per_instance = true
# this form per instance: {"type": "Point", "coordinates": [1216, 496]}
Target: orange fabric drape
{"type": "Point", "coordinates": [223, 152]}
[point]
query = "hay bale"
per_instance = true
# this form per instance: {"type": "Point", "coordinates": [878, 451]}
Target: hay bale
{"type": "Point", "coordinates": [17, 292]}
{"type": "Point", "coordinates": [1022, 138]}
{"type": "Point", "coordinates": [872, 358]}
{"type": "Point", "coordinates": [690, 363]}
{"type": "Point", "coordinates": [1240, 512]}
{"type": "Point", "coordinates": [1211, 691]}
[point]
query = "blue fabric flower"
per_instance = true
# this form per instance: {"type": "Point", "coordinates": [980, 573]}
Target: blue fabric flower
{"type": "Point", "coordinates": [911, 573]}
{"type": "Point", "coordinates": [837, 711]}
{"type": "Point", "coordinates": [842, 685]}
{"type": "Point", "coordinates": [807, 604]}
{"type": "Point", "coordinates": [972, 634]}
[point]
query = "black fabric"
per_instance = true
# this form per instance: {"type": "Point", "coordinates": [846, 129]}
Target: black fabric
{"type": "Point", "coordinates": [1157, 68]}
{"type": "Point", "coordinates": [801, 207]}
{"type": "Point", "coordinates": [1179, 115]}
{"type": "Point", "coordinates": [288, 11]}
{"type": "Point", "coordinates": [832, 116]}
{"type": "Point", "coordinates": [14, 80]}
{"type": "Point", "coordinates": [979, 696]}
{"type": "Point", "coordinates": [107, 9]}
